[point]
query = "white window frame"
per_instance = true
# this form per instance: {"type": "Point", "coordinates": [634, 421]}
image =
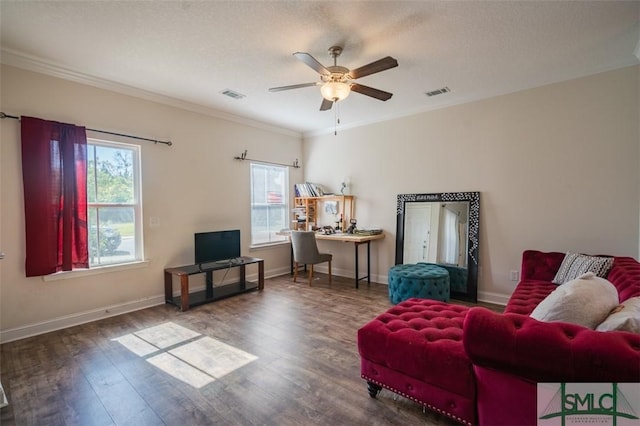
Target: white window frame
{"type": "Point", "coordinates": [137, 201]}
{"type": "Point", "coordinates": [281, 239]}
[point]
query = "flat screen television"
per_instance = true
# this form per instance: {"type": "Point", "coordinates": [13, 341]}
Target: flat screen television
{"type": "Point", "coordinates": [217, 245]}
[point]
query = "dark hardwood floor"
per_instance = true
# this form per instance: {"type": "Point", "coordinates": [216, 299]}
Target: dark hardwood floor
{"type": "Point", "coordinates": [307, 369]}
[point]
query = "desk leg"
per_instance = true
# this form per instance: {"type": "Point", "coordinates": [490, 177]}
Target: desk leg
{"type": "Point", "coordinates": [368, 262]}
{"type": "Point", "coordinates": [368, 276]}
{"type": "Point", "coordinates": [261, 275]}
{"type": "Point", "coordinates": [357, 269]}
{"type": "Point", "coordinates": [184, 292]}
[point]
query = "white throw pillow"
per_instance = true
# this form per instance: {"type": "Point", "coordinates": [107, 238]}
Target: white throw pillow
{"type": "Point", "coordinates": [575, 264]}
{"type": "Point", "coordinates": [627, 318]}
{"type": "Point", "coordinates": [585, 301]}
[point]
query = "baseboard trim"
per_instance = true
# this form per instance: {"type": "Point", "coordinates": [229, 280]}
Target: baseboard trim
{"type": "Point", "coordinates": [494, 298]}
{"type": "Point", "coordinates": [79, 318]}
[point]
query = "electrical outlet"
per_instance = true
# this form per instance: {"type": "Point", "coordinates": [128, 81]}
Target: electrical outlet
{"type": "Point", "coordinates": [154, 222]}
{"type": "Point", "coordinates": [514, 275]}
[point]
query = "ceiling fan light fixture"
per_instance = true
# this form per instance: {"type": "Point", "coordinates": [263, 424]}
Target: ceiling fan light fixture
{"type": "Point", "coordinates": [336, 82]}
{"type": "Point", "coordinates": [335, 91]}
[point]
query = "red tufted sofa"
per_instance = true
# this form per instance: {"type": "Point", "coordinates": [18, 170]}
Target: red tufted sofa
{"type": "Point", "coordinates": [480, 367]}
{"type": "Point", "coordinates": [512, 352]}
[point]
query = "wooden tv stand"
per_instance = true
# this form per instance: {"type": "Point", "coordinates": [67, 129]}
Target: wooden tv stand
{"type": "Point", "coordinates": [187, 300]}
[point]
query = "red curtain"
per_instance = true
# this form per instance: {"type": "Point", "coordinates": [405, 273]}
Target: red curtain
{"type": "Point", "coordinates": [54, 172]}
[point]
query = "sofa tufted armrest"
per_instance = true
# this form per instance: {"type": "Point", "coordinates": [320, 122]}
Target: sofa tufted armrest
{"type": "Point", "coordinates": [541, 266]}
{"type": "Point", "coordinates": [549, 351]}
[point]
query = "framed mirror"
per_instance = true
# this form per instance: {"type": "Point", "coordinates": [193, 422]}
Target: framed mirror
{"type": "Point", "coordinates": [442, 228]}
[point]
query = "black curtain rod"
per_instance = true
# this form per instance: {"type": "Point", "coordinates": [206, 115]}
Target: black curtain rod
{"type": "Point", "coordinates": [169, 143]}
{"type": "Point", "coordinates": [243, 157]}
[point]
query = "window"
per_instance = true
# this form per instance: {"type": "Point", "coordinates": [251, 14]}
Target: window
{"type": "Point", "coordinates": [269, 202]}
{"type": "Point", "coordinates": [114, 204]}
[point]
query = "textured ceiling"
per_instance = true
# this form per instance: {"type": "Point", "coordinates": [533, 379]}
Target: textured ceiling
{"type": "Point", "coordinates": [192, 50]}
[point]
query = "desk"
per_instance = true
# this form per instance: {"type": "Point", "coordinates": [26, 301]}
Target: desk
{"type": "Point", "coordinates": [357, 240]}
{"type": "Point", "coordinates": [186, 300]}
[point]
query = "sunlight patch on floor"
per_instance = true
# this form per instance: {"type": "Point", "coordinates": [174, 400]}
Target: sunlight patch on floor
{"type": "Point", "coordinates": [136, 345]}
{"type": "Point", "coordinates": [181, 370]}
{"type": "Point", "coordinates": [167, 334]}
{"type": "Point", "coordinates": [188, 356]}
{"type": "Point", "coordinates": [213, 357]}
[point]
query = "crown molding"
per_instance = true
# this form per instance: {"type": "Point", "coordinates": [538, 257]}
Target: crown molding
{"type": "Point", "coordinates": [481, 95]}
{"type": "Point", "coordinates": [32, 63]}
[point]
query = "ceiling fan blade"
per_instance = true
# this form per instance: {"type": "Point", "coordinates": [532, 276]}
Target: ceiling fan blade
{"type": "Point", "coordinates": [374, 67]}
{"type": "Point", "coordinates": [294, 86]}
{"type": "Point", "coordinates": [326, 105]}
{"type": "Point", "coordinates": [312, 62]}
{"type": "Point", "coordinates": [370, 91]}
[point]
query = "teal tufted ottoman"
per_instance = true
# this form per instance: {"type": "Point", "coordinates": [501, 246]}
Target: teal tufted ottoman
{"type": "Point", "coordinates": [423, 280]}
{"type": "Point", "coordinates": [457, 278]}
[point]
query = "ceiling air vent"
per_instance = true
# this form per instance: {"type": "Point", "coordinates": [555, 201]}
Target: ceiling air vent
{"type": "Point", "coordinates": [230, 93]}
{"type": "Point", "coordinates": [438, 91]}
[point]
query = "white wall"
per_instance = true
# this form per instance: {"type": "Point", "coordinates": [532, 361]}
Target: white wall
{"type": "Point", "coordinates": [557, 168]}
{"type": "Point", "coordinates": [194, 185]}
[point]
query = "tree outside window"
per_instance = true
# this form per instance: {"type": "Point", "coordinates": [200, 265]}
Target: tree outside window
{"type": "Point", "coordinates": [113, 185]}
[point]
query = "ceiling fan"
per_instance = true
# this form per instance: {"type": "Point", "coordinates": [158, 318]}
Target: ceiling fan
{"type": "Point", "coordinates": [337, 82]}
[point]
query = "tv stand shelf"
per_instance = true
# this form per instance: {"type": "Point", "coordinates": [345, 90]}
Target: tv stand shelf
{"type": "Point", "coordinates": [186, 300]}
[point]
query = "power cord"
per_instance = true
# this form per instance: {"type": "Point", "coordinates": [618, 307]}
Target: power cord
{"type": "Point", "coordinates": [225, 274]}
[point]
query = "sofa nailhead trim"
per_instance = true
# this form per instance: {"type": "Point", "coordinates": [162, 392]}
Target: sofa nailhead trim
{"type": "Point", "coordinates": [432, 408]}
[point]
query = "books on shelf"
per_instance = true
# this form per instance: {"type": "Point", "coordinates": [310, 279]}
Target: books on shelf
{"type": "Point", "coordinates": [308, 189]}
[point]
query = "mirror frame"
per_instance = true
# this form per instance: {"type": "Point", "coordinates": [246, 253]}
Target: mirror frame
{"type": "Point", "coordinates": [473, 198]}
